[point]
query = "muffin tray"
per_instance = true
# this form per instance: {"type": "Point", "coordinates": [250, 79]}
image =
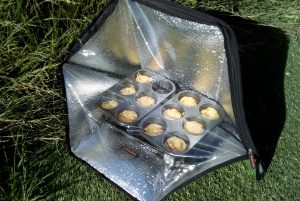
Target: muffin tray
{"type": "Point", "coordinates": [159, 88]}
{"type": "Point", "coordinates": [176, 127]}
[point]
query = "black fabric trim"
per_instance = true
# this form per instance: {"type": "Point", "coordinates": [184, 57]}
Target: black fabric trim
{"type": "Point", "coordinates": [233, 67]}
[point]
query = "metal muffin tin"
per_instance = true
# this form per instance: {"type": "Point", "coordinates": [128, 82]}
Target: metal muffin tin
{"type": "Point", "coordinates": [175, 127]}
{"type": "Point", "coordinates": [159, 88]}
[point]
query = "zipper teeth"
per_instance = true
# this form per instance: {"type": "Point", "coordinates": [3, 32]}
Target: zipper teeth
{"type": "Point", "coordinates": [237, 98]}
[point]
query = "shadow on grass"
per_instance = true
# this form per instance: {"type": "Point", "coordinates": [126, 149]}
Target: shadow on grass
{"type": "Point", "coordinates": [263, 55]}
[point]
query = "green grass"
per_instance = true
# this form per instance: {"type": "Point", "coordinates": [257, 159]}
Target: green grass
{"type": "Point", "coordinates": [35, 163]}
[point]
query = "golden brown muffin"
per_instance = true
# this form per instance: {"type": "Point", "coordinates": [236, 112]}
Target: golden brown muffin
{"type": "Point", "coordinates": [110, 104]}
{"type": "Point", "coordinates": [127, 91]}
{"type": "Point", "coordinates": [188, 101]}
{"type": "Point", "coordinates": [210, 113]}
{"type": "Point", "coordinates": [176, 144]}
{"type": "Point", "coordinates": [143, 78]}
{"type": "Point", "coordinates": [128, 116]}
{"type": "Point", "coordinates": [146, 101]}
{"type": "Point", "coordinates": [154, 129]}
{"type": "Point", "coordinates": [172, 114]}
{"type": "Point", "coordinates": [193, 127]}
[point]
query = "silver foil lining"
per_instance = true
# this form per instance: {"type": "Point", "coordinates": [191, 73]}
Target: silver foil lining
{"type": "Point", "coordinates": [191, 54]}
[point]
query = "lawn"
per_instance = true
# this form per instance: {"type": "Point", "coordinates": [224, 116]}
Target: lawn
{"type": "Point", "coordinates": [35, 162]}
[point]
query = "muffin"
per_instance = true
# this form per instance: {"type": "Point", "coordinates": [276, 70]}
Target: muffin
{"type": "Point", "coordinates": [210, 113]}
{"type": "Point", "coordinates": [154, 129]}
{"type": "Point", "coordinates": [176, 144]}
{"type": "Point", "coordinates": [172, 114]}
{"type": "Point", "coordinates": [110, 104]}
{"type": "Point", "coordinates": [143, 78]}
{"type": "Point", "coordinates": [188, 101]}
{"type": "Point", "coordinates": [146, 101]}
{"type": "Point", "coordinates": [193, 127]}
{"type": "Point", "coordinates": [128, 116]}
{"type": "Point", "coordinates": [127, 91]}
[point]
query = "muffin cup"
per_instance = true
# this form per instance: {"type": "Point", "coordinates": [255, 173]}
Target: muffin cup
{"type": "Point", "coordinates": [154, 121]}
{"type": "Point", "coordinates": [130, 108]}
{"type": "Point", "coordinates": [189, 94]}
{"type": "Point", "coordinates": [172, 106]}
{"type": "Point", "coordinates": [197, 119]}
{"type": "Point", "coordinates": [126, 84]}
{"type": "Point", "coordinates": [216, 107]}
{"type": "Point", "coordinates": [143, 72]}
{"type": "Point", "coordinates": [142, 94]}
{"type": "Point", "coordinates": [179, 135]}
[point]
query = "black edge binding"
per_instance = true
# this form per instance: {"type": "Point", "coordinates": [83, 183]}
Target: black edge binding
{"type": "Point", "coordinates": [191, 15]}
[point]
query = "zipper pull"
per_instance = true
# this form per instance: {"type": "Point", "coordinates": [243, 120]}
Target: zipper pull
{"type": "Point", "coordinates": [251, 157]}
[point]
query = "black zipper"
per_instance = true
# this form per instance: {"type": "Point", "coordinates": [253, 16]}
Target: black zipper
{"type": "Point", "coordinates": [233, 70]}
{"type": "Point", "coordinates": [191, 15]}
{"type": "Point", "coordinates": [232, 59]}
{"type": "Point", "coordinates": [237, 95]}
